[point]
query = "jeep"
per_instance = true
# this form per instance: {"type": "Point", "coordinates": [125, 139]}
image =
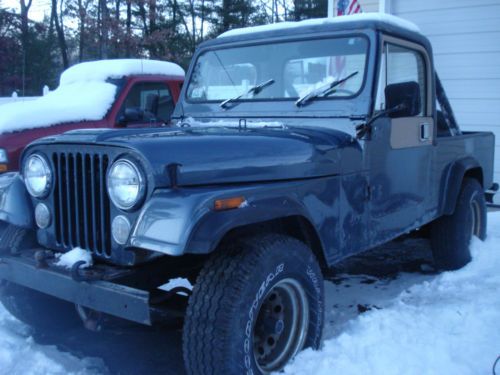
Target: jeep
{"type": "Point", "coordinates": [295, 146]}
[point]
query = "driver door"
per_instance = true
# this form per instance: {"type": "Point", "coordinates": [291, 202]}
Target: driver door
{"type": "Point", "coordinates": [400, 149]}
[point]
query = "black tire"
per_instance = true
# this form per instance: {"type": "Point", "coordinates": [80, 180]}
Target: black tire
{"type": "Point", "coordinates": [33, 308]}
{"type": "Point", "coordinates": [244, 296]}
{"type": "Point", "coordinates": [14, 239]}
{"type": "Point", "coordinates": [451, 234]}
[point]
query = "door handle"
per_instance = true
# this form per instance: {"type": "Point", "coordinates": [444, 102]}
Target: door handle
{"type": "Point", "coordinates": [425, 132]}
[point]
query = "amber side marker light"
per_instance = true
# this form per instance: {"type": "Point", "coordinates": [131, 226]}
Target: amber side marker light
{"type": "Point", "coordinates": [228, 204]}
{"type": "Point", "coordinates": [3, 168]}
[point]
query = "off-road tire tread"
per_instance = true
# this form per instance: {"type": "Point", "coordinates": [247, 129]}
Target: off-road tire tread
{"type": "Point", "coordinates": [210, 302]}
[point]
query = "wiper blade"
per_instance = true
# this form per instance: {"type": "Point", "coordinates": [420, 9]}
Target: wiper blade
{"type": "Point", "coordinates": [323, 90]}
{"type": "Point", "coordinates": [254, 89]}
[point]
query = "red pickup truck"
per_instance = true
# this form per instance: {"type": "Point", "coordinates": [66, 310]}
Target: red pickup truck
{"type": "Point", "coordinates": [99, 94]}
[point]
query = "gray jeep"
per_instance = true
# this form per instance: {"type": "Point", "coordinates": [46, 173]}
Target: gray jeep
{"type": "Point", "coordinates": [294, 147]}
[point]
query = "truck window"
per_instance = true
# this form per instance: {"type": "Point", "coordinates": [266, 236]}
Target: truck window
{"type": "Point", "coordinates": [401, 64]}
{"type": "Point", "coordinates": [153, 98]}
{"type": "Point", "coordinates": [295, 67]}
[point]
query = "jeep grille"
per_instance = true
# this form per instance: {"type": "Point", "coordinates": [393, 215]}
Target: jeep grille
{"type": "Point", "coordinates": [81, 202]}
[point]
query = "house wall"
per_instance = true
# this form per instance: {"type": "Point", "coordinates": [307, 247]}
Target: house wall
{"type": "Point", "coordinates": [465, 36]}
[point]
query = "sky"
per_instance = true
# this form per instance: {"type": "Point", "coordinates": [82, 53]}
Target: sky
{"type": "Point", "coordinates": [38, 10]}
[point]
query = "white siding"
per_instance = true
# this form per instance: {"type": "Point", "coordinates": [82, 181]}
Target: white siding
{"type": "Point", "coordinates": [369, 5]}
{"type": "Point", "coordinates": [465, 36]}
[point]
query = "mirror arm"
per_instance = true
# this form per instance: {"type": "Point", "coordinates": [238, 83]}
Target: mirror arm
{"type": "Point", "coordinates": [364, 131]}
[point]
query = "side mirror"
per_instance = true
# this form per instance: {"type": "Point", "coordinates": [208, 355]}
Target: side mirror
{"type": "Point", "coordinates": [131, 115]}
{"type": "Point", "coordinates": [404, 97]}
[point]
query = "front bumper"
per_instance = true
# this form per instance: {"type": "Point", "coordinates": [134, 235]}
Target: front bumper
{"type": "Point", "coordinates": [107, 294]}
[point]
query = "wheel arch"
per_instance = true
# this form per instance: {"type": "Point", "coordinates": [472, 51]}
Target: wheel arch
{"type": "Point", "coordinates": [464, 168]}
{"type": "Point", "coordinates": [295, 226]}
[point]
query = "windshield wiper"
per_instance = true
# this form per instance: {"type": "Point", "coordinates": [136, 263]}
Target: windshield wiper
{"type": "Point", "coordinates": [323, 90]}
{"type": "Point", "coordinates": [254, 89]}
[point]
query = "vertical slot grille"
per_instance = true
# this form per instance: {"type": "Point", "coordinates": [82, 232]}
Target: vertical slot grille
{"type": "Point", "coordinates": [81, 202]}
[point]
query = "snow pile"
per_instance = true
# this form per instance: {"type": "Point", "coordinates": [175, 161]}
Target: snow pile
{"type": "Point", "coordinates": [75, 102]}
{"type": "Point", "coordinates": [68, 259]}
{"type": "Point", "coordinates": [83, 94]}
{"type": "Point", "coordinates": [19, 355]}
{"type": "Point", "coordinates": [450, 325]}
{"type": "Point", "coordinates": [382, 17]}
{"type": "Point", "coordinates": [104, 69]}
{"type": "Point", "coordinates": [176, 283]}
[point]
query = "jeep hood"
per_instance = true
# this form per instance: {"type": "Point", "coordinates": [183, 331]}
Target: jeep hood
{"type": "Point", "coordinates": [223, 155]}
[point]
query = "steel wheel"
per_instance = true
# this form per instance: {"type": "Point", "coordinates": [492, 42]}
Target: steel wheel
{"type": "Point", "coordinates": [281, 326]}
{"type": "Point", "coordinates": [475, 211]}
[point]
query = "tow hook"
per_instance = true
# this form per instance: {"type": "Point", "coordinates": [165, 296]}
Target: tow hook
{"type": "Point", "coordinates": [75, 271]}
{"type": "Point", "coordinates": [80, 274]}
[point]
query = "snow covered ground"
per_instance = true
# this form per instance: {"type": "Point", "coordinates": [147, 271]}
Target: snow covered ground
{"type": "Point", "coordinates": [449, 324]}
{"type": "Point", "coordinates": [384, 316]}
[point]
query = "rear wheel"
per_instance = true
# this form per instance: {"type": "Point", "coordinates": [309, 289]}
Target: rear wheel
{"type": "Point", "coordinates": [451, 234]}
{"type": "Point", "coordinates": [36, 309]}
{"type": "Point", "coordinates": [255, 305]}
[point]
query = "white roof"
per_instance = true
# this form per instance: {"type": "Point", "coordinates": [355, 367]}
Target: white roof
{"type": "Point", "coordinates": [83, 94]}
{"type": "Point", "coordinates": [104, 69]}
{"type": "Point", "coordinates": [387, 18]}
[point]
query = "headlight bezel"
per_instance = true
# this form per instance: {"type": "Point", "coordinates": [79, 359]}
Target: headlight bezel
{"type": "Point", "coordinates": [49, 175]}
{"type": "Point", "coordinates": [142, 184]}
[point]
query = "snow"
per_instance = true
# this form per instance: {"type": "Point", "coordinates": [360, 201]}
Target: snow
{"type": "Point", "coordinates": [117, 68]}
{"type": "Point", "coordinates": [250, 124]}
{"type": "Point", "coordinates": [68, 259]}
{"type": "Point", "coordinates": [7, 100]}
{"type": "Point", "coordinates": [446, 325]}
{"type": "Point", "coordinates": [175, 283]}
{"type": "Point", "coordinates": [387, 18]}
{"type": "Point", "coordinates": [20, 355]}
{"type": "Point", "coordinates": [83, 94]}
{"type": "Point", "coordinates": [78, 101]}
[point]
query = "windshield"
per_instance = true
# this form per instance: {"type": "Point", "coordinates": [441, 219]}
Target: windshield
{"type": "Point", "coordinates": [296, 68]}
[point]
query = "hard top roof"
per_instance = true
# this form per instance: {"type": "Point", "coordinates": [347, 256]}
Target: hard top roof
{"type": "Point", "coordinates": [376, 21]}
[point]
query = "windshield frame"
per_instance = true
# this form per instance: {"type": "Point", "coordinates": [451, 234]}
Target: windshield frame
{"type": "Point", "coordinates": [281, 40]}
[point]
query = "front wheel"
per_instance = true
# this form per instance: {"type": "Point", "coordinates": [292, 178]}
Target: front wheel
{"type": "Point", "coordinates": [255, 305]}
{"type": "Point", "coordinates": [451, 234]}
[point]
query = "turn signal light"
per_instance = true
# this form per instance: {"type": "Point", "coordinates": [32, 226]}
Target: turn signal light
{"type": "Point", "coordinates": [229, 203]}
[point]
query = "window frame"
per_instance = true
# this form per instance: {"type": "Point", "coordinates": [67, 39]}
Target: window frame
{"type": "Point", "coordinates": [291, 40]}
{"type": "Point", "coordinates": [121, 111]}
{"type": "Point", "coordinates": [418, 49]}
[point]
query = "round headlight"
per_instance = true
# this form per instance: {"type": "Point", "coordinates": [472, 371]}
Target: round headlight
{"type": "Point", "coordinates": [125, 184]}
{"type": "Point", "coordinates": [37, 175]}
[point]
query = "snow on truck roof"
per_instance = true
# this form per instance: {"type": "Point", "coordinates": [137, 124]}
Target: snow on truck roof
{"type": "Point", "coordinates": [105, 69]}
{"type": "Point", "coordinates": [83, 94]}
{"type": "Point", "coordinates": [382, 18]}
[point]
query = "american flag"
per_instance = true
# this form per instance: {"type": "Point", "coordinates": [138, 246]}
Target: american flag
{"type": "Point", "coordinates": [345, 8]}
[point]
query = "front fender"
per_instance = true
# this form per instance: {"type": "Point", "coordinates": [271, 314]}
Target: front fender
{"type": "Point", "coordinates": [15, 204]}
{"type": "Point", "coordinates": [176, 222]}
